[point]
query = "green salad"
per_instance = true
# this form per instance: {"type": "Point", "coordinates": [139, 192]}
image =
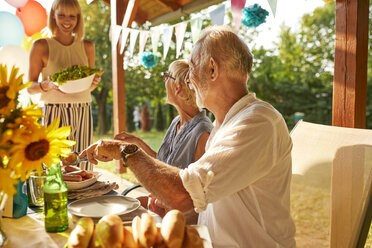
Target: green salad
{"type": "Point", "coordinates": [74, 72]}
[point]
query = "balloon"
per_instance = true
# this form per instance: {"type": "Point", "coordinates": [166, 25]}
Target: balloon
{"type": "Point", "coordinates": [33, 16]}
{"type": "Point", "coordinates": [17, 3]}
{"type": "Point", "coordinates": [11, 29]}
{"type": "Point", "coordinates": [13, 55]}
{"type": "Point", "coordinates": [28, 40]}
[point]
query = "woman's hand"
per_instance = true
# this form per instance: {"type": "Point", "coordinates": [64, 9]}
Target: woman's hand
{"type": "Point", "coordinates": [156, 206]}
{"type": "Point", "coordinates": [48, 85]}
{"type": "Point", "coordinates": [96, 80]}
{"type": "Point", "coordinates": [124, 136]}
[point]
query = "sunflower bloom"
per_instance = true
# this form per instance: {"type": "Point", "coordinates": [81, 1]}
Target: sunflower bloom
{"type": "Point", "coordinates": [41, 145]}
{"type": "Point", "coordinates": [9, 89]}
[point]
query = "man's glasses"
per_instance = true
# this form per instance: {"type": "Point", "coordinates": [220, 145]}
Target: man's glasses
{"type": "Point", "coordinates": [167, 75]}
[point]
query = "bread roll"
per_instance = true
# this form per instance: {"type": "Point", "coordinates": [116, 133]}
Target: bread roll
{"type": "Point", "coordinates": [136, 227]}
{"type": "Point", "coordinates": [148, 231]}
{"type": "Point", "coordinates": [173, 228]}
{"type": "Point", "coordinates": [159, 241]}
{"type": "Point", "coordinates": [192, 238]}
{"type": "Point", "coordinates": [109, 232]}
{"type": "Point", "coordinates": [81, 234]}
{"type": "Point", "coordinates": [128, 238]}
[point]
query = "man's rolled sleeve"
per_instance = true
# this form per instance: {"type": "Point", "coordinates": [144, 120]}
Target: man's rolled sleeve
{"type": "Point", "coordinates": [195, 184]}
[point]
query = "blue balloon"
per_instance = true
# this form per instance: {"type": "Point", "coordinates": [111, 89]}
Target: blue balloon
{"type": "Point", "coordinates": [11, 29]}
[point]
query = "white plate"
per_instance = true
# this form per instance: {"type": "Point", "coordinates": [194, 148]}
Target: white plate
{"type": "Point", "coordinates": [97, 207]}
{"type": "Point", "coordinates": [83, 184]}
{"type": "Point", "coordinates": [78, 85]}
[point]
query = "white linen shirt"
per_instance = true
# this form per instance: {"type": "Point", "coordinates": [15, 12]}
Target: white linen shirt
{"type": "Point", "coordinates": [241, 184]}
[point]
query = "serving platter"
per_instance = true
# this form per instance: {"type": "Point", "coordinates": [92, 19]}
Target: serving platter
{"type": "Point", "coordinates": [83, 184]}
{"type": "Point", "coordinates": [78, 85]}
{"type": "Point", "coordinates": [97, 207]}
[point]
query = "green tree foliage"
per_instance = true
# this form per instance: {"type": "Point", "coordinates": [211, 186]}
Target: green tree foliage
{"type": "Point", "coordinates": [297, 77]}
{"type": "Point", "coordinates": [97, 28]}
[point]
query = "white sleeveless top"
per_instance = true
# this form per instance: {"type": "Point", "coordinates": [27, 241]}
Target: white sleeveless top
{"type": "Point", "coordinates": [61, 57]}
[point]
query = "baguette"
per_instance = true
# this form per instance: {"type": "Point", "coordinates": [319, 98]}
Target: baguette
{"type": "Point", "coordinates": [173, 228]}
{"type": "Point", "coordinates": [128, 241]}
{"type": "Point", "coordinates": [192, 238]}
{"type": "Point", "coordinates": [148, 231]}
{"type": "Point", "coordinates": [136, 227]}
{"type": "Point", "coordinates": [81, 234]}
{"type": "Point", "coordinates": [109, 232]}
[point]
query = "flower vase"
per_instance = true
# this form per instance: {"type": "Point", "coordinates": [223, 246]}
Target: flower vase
{"type": "Point", "coordinates": [3, 238]}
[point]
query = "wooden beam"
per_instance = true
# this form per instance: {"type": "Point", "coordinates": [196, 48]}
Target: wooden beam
{"type": "Point", "coordinates": [118, 8]}
{"type": "Point", "coordinates": [350, 73]}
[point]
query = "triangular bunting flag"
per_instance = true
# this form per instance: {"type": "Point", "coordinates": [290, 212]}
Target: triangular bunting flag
{"type": "Point", "coordinates": [196, 26]}
{"type": "Point", "coordinates": [272, 4]}
{"type": "Point", "coordinates": [128, 13]}
{"type": "Point", "coordinates": [143, 38]}
{"type": "Point", "coordinates": [115, 35]}
{"type": "Point", "coordinates": [89, 1]}
{"type": "Point", "coordinates": [218, 15]}
{"type": "Point", "coordinates": [155, 36]}
{"type": "Point", "coordinates": [132, 40]}
{"type": "Point", "coordinates": [166, 38]}
{"type": "Point", "coordinates": [180, 29]}
{"type": "Point", "coordinates": [124, 38]}
{"type": "Point", "coordinates": [236, 10]}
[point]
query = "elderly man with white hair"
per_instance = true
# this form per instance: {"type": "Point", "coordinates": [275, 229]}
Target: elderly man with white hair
{"type": "Point", "coordinates": [241, 185]}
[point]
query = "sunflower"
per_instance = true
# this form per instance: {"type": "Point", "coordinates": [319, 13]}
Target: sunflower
{"type": "Point", "coordinates": [9, 89]}
{"type": "Point", "coordinates": [38, 145]}
{"type": "Point", "coordinates": [7, 182]}
{"type": "Point", "coordinates": [26, 117]}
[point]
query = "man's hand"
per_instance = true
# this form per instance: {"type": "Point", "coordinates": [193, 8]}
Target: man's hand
{"type": "Point", "coordinates": [103, 150]}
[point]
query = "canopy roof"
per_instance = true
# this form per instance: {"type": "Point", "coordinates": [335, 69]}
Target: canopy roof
{"type": "Point", "coordinates": [163, 11]}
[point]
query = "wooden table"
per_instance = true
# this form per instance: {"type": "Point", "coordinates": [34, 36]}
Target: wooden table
{"type": "Point", "coordinates": [29, 231]}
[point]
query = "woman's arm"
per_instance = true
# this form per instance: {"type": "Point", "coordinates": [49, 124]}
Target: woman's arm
{"type": "Point", "coordinates": [38, 60]}
{"type": "Point", "coordinates": [124, 136]}
{"type": "Point", "coordinates": [91, 54]}
{"type": "Point", "coordinates": [200, 147]}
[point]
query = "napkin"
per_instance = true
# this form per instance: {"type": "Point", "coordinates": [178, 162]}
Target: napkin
{"type": "Point", "coordinates": [96, 189]}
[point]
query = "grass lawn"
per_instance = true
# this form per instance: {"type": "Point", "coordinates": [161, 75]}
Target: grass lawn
{"type": "Point", "coordinates": [152, 138]}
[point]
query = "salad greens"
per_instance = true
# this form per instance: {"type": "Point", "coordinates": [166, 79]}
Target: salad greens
{"type": "Point", "coordinates": [74, 72]}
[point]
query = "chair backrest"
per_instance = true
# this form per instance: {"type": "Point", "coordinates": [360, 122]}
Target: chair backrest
{"type": "Point", "coordinates": [330, 168]}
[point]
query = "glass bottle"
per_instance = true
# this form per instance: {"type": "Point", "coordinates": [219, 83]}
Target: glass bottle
{"type": "Point", "coordinates": [55, 200]}
{"type": "Point", "coordinates": [29, 199]}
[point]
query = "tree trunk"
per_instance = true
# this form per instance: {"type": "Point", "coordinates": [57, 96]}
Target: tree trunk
{"type": "Point", "coordinates": [101, 100]}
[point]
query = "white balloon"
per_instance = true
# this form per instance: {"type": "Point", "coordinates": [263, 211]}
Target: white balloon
{"type": "Point", "coordinates": [17, 3]}
{"type": "Point", "coordinates": [13, 55]}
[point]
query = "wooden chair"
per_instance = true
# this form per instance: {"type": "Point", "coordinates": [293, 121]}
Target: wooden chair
{"type": "Point", "coordinates": [330, 188]}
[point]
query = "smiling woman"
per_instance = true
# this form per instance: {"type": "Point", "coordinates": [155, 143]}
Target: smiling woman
{"type": "Point", "coordinates": [66, 48]}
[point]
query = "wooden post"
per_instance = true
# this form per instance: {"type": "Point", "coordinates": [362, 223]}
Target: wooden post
{"type": "Point", "coordinates": [118, 84]}
{"type": "Point", "coordinates": [118, 8]}
{"type": "Point", "coordinates": [350, 73]}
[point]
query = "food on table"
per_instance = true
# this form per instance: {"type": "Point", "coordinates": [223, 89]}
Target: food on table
{"type": "Point", "coordinates": [128, 238]}
{"type": "Point", "coordinates": [75, 174]}
{"type": "Point", "coordinates": [173, 228]}
{"type": "Point", "coordinates": [70, 159]}
{"type": "Point", "coordinates": [148, 231]}
{"type": "Point", "coordinates": [82, 233]}
{"type": "Point", "coordinates": [191, 238]}
{"type": "Point", "coordinates": [74, 72]}
{"type": "Point", "coordinates": [109, 232]}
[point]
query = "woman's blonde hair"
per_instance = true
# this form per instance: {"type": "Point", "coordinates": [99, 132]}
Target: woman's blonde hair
{"type": "Point", "coordinates": [69, 6]}
{"type": "Point", "coordinates": [179, 69]}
